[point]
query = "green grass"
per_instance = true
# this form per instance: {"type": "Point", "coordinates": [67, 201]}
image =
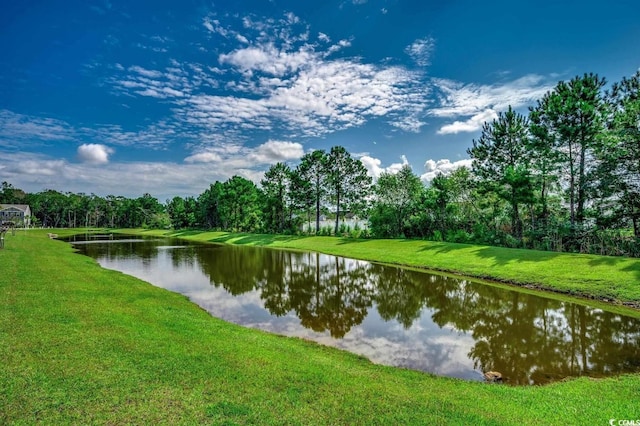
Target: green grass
{"type": "Point", "coordinates": [83, 345]}
{"type": "Point", "coordinates": [612, 279]}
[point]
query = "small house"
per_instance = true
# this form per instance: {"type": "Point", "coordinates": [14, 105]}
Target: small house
{"type": "Point", "coordinates": [20, 214]}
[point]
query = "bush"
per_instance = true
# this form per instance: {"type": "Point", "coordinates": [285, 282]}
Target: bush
{"type": "Point", "coordinates": [344, 229]}
{"type": "Point", "coordinates": [459, 236]}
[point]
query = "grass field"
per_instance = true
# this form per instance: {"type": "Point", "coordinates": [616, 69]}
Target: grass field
{"type": "Point", "coordinates": [83, 345]}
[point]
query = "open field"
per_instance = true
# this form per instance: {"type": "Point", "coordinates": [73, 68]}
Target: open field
{"type": "Point", "coordinates": [81, 345]}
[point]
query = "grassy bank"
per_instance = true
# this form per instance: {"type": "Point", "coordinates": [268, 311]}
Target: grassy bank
{"type": "Point", "coordinates": [611, 279]}
{"type": "Point", "coordinates": [80, 344]}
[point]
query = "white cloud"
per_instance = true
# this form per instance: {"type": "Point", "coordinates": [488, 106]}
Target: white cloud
{"type": "Point", "coordinates": [203, 157]}
{"type": "Point", "coordinates": [17, 127]}
{"type": "Point", "coordinates": [267, 59]}
{"type": "Point", "coordinates": [274, 151]}
{"type": "Point", "coordinates": [34, 173]}
{"type": "Point", "coordinates": [213, 26]}
{"type": "Point", "coordinates": [420, 51]}
{"type": "Point", "coordinates": [479, 101]}
{"type": "Point", "coordinates": [276, 79]}
{"type": "Point", "coordinates": [94, 153]}
{"type": "Point", "coordinates": [374, 169]}
{"type": "Point", "coordinates": [208, 25]}
{"type": "Point", "coordinates": [21, 166]}
{"type": "Point", "coordinates": [145, 72]}
{"type": "Point", "coordinates": [155, 136]}
{"type": "Point", "coordinates": [243, 157]}
{"type": "Point", "coordinates": [471, 125]}
{"type": "Point", "coordinates": [444, 167]}
{"type": "Point", "coordinates": [309, 95]}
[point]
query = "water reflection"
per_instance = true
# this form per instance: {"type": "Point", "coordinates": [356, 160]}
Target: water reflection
{"type": "Point", "coordinates": [391, 315]}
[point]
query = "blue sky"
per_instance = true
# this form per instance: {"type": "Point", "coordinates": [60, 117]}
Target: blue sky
{"type": "Point", "coordinates": [166, 97]}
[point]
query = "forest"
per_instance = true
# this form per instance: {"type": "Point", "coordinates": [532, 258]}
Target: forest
{"type": "Point", "coordinates": [564, 177]}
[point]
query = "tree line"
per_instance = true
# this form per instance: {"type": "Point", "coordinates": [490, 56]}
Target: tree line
{"type": "Point", "coordinates": [563, 177]}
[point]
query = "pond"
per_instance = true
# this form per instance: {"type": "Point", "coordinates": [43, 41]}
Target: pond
{"type": "Point", "coordinates": [400, 317]}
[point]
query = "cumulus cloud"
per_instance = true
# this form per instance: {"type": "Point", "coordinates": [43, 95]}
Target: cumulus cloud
{"type": "Point", "coordinates": [94, 153]}
{"type": "Point", "coordinates": [266, 58]}
{"type": "Point", "coordinates": [471, 125]}
{"type": "Point", "coordinates": [275, 151]}
{"type": "Point", "coordinates": [374, 169]}
{"type": "Point", "coordinates": [248, 158]}
{"type": "Point", "coordinates": [203, 157]}
{"type": "Point", "coordinates": [445, 167]}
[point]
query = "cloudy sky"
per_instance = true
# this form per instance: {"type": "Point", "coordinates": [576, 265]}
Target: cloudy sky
{"type": "Point", "coordinates": [166, 97]}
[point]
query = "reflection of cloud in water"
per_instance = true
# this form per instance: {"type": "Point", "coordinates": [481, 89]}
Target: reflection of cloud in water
{"type": "Point", "coordinates": [424, 346]}
{"type": "Point", "coordinates": [390, 315]}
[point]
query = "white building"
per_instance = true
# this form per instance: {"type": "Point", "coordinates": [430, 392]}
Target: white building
{"type": "Point", "coordinates": [20, 214]}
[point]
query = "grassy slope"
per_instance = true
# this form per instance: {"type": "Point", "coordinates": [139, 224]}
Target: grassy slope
{"type": "Point", "coordinates": [608, 278]}
{"type": "Point", "coordinates": [80, 344]}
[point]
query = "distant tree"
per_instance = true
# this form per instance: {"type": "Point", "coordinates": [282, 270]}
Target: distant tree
{"type": "Point", "coordinates": [437, 200]}
{"type": "Point", "coordinates": [49, 207]}
{"type": "Point", "coordinates": [574, 115]}
{"type": "Point", "coordinates": [397, 197]}
{"type": "Point", "coordinates": [276, 187]}
{"type": "Point", "coordinates": [348, 183]}
{"type": "Point", "coordinates": [310, 182]}
{"type": "Point", "coordinates": [150, 212]}
{"type": "Point", "coordinates": [500, 162]}
{"type": "Point", "coordinates": [209, 210]}
{"type": "Point", "coordinates": [619, 157]}
{"type": "Point", "coordinates": [449, 204]}
{"type": "Point", "coordinates": [112, 203]}
{"type": "Point", "coordinates": [177, 212]}
{"type": "Point", "coordinates": [544, 159]}
{"type": "Point", "coordinates": [303, 200]}
{"type": "Point", "coordinates": [12, 195]}
{"type": "Point", "coordinates": [240, 205]}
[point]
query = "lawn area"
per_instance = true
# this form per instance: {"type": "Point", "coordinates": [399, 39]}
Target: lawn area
{"type": "Point", "coordinates": [613, 279]}
{"type": "Point", "coordinates": [83, 345]}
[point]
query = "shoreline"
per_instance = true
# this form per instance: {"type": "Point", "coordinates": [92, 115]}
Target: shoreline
{"type": "Point", "coordinates": [603, 286]}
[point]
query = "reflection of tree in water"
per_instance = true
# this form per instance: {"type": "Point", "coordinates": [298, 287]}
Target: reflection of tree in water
{"type": "Point", "coordinates": [615, 331]}
{"type": "Point", "coordinates": [527, 338]}
{"type": "Point", "coordinates": [236, 269]}
{"type": "Point", "coordinates": [536, 340]}
{"type": "Point", "coordinates": [338, 297]}
{"type": "Point", "coordinates": [327, 293]}
{"type": "Point", "coordinates": [113, 250]}
{"type": "Point", "coordinates": [400, 293]}
{"type": "Point", "coordinates": [280, 273]}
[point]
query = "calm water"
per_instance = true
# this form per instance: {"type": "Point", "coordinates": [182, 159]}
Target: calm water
{"type": "Point", "coordinates": [446, 326]}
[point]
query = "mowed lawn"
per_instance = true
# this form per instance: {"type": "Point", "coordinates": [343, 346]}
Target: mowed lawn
{"type": "Point", "coordinates": [83, 345]}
